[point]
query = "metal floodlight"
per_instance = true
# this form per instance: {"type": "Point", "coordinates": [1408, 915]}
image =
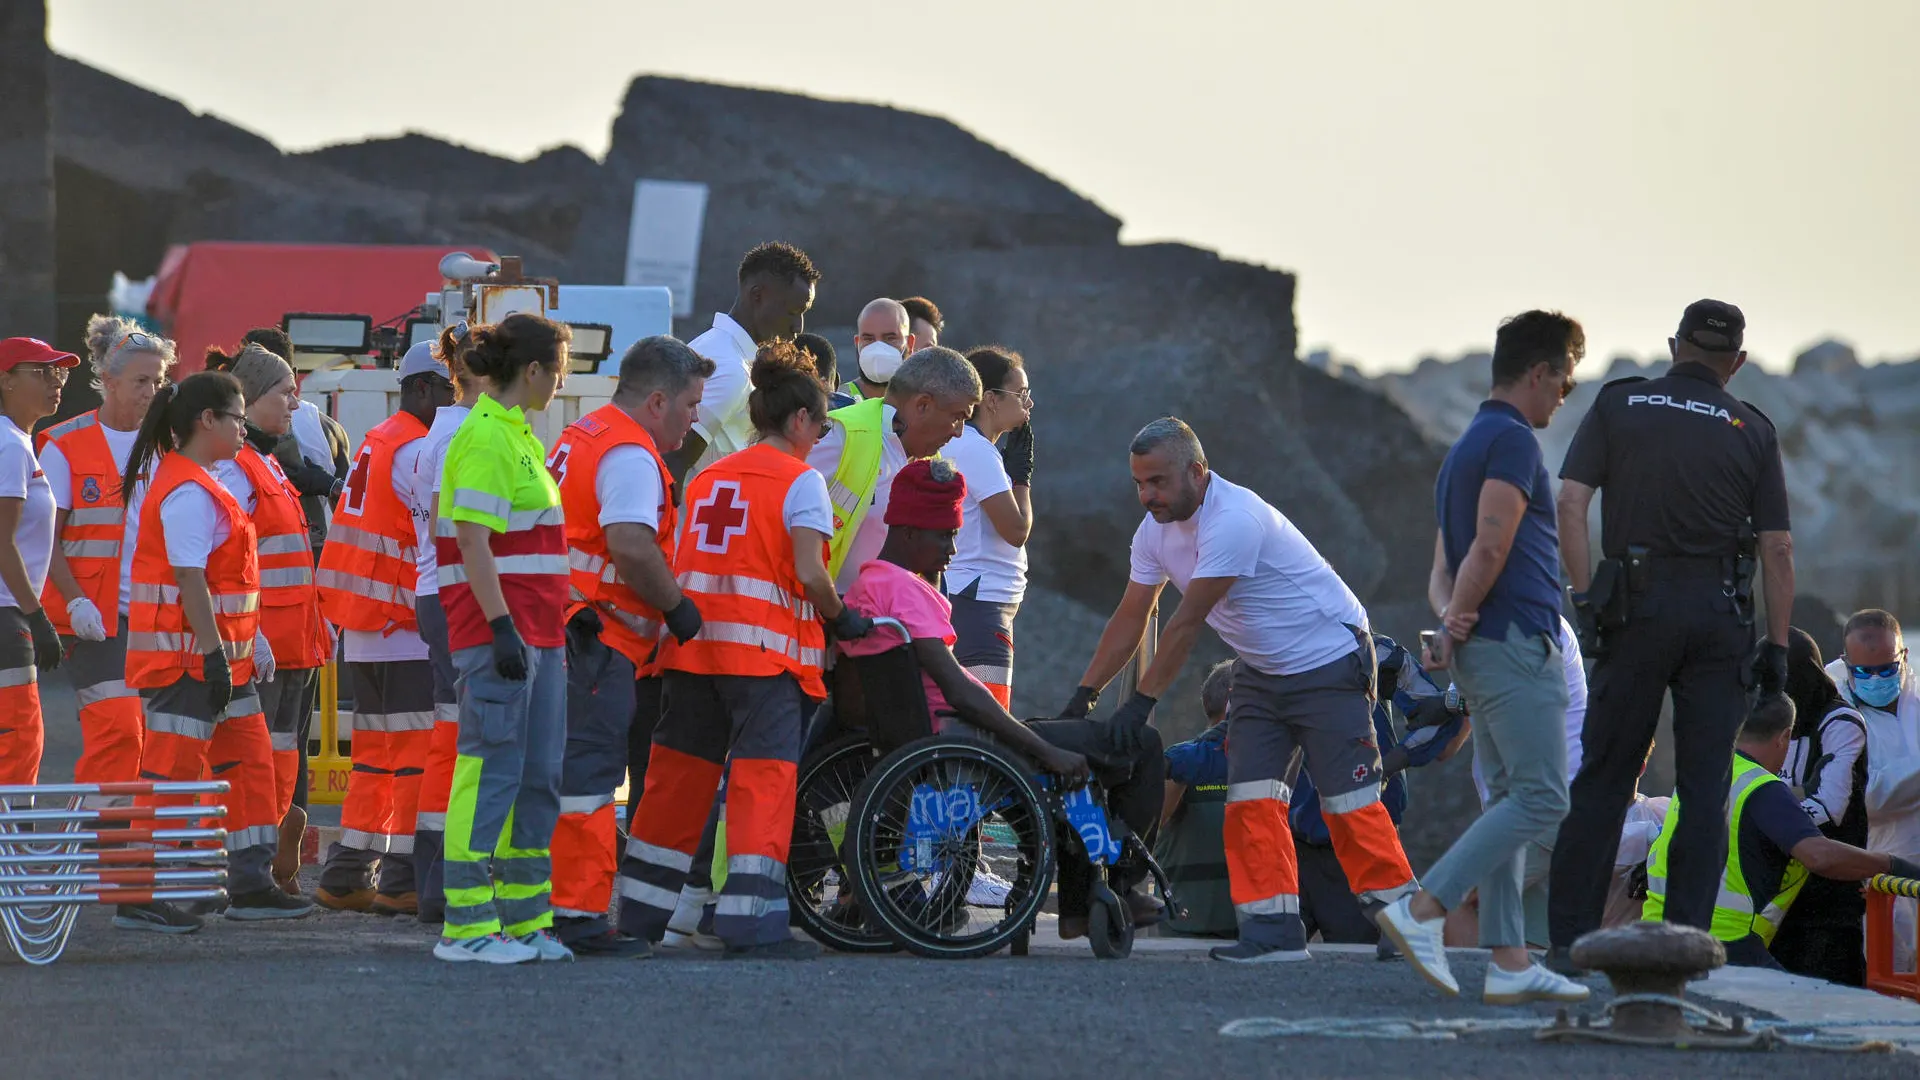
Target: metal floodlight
{"type": "Point", "coordinates": [419, 330]}
{"type": "Point", "coordinates": [591, 344]}
{"type": "Point", "coordinates": [314, 332]}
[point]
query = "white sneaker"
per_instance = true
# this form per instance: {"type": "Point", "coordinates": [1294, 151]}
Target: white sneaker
{"type": "Point", "coordinates": [1534, 984]}
{"type": "Point", "coordinates": [988, 889]}
{"type": "Point", "coordinates": [674, 939]}
{"type": "Point", "coordinates": [490, 949]}
{"type": "Point", "coordinates": [1422, 943]}
{"type": "Point", "coordinates": [546, 947]}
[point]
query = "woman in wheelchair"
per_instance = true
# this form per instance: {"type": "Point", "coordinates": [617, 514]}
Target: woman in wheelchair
{"type": "Point", "coordinates": [922, 518]}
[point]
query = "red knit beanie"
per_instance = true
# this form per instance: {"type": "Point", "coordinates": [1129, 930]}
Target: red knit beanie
{"type": "Point", "coordinates": [927, 495]}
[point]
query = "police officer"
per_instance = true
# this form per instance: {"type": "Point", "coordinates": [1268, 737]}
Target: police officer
{"type": "Point", "coordinates": [1693, 486]}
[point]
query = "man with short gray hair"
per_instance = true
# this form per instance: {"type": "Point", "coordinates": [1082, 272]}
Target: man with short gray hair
{"type": "Point", "coordinates": [1303, 680]}
{"type": "Point", "coordinates": [928, 401]}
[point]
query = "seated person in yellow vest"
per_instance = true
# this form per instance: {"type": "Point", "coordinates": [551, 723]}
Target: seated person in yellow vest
{"type": "Point", "coordinates": [922, 517]}
{"type": "Point", "coordinates": [882, 339]}
{"type": "Point", "coordinates": [776, 291]}
{"type": "Point", "coordinates": [926, 405]}
{"type": "Point", "coordinates": [1772, 845]}
{"type": "Point", "coordinates": [1192, 848]}
{"type": "Point", "coordinates": [617, 497]}
{"type": "Point", "coordinates": [367, 573]}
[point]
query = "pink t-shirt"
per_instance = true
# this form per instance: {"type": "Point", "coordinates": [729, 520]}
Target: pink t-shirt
{"type": "Point", "coordinates": [886, 589]}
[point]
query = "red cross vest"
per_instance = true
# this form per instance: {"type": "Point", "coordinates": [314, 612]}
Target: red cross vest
{"type": "Point", "coordinates": [631, 625]}
{"type": "Point", "coordinates": [736, 561]}
{"type": "Point", "coordinates": [161, 647]}
{"type": "Point", "coordinates": [367, 569]}
{"type": "Point", "coordinates": [289, 604]}
{"type": "Point", "coordinates": [91, 540]}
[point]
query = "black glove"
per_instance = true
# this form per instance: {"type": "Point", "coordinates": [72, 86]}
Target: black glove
{"type": "Point", "coordinates": [1586, 624]}
{"type": "Point", "coordinates": [1018, 455]}
{"type": "Point", "coordinates": [847, 625]}
{"type": "Point", "coordinates": [219, 679]}
{"type": "Point", "coordinates": [1429, 712]}
{"type": "Point", "coordinates": [684, 621]}
{"type": "Point", "coordinates": [1905, 868]}
{"type": "Point", "coordinates": [1770, 669]}
{"type": "Point", "coordinates": [1124, 738]}
{"type": "Point", "coordinates": [46, 641]}
{"type": "Point", "coordinates": [1084, 699]}
{"type": "Point", "coordinates": [509, 652]}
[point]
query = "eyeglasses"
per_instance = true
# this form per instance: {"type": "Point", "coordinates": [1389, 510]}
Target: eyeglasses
{"type": "Point", "coordinates": [52, 373]}
{"type": "Point", "coordinates": [234, 416]}
{"type": "Point", "coordinates": [826, 426]}
{"type": "Point", "coordinates": [1025, 396]}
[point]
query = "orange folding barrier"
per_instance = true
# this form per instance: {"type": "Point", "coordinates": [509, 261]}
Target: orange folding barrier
{"type": "Point", "coordinates": [1891, 970]}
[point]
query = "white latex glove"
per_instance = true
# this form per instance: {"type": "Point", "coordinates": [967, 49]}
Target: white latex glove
{"type": "Point", "coordinates": [87, 624]}
{"type": "Point", "coordinates": [264, 667]}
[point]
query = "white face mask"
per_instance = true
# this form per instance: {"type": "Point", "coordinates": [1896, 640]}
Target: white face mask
{"type": "Point", "coordinates": [878, 361]}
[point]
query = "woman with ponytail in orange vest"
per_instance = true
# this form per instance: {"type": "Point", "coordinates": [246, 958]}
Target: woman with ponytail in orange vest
{"type": "Point", "coordinates": [753, 559]}
{"type": "Point", "coordinates": [192, 622]}
{"type": "Point", "coordinates": [293, 641]}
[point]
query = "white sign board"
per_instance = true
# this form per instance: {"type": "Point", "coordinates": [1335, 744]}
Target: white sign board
{"type": "Point", "coordinates": [663, 239]}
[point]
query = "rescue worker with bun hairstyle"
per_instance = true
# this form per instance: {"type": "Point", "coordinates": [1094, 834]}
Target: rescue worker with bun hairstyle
{"type": "Point", "coordinates": [753, 558]}
{"type": "Point", "coordinates": [193, 620]}
{"type": "Point", "coordinates": [84, 458]}
{"type": "Point", "coordinates": [292, 641]}
{"type": "Point", "coordinates": [621, 525]}
{"type": "Point", "coordinates": [503, 584]}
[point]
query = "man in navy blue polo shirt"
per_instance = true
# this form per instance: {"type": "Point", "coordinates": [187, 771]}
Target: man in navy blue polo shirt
{"type": "Point", "coordinates": [1496, 587]}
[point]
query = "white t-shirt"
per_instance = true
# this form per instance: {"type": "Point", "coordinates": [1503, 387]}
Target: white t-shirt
{"type": "Point", "coordinates": [1574, 669]}
{"type": "Point", "coordinates": [192, 525]}
{"type": "Point", "coordinates": [53, 461]}
{"type": "Point", "coordinates": [234, 479]}
{"type": "Point", "coordinates": [1287, 613]}
{"type": "Point", "coordinates": [807, 505]}
{"type": "Point", "coordinates": [979, 553]}
{"type": "Point", "coordinates": [22, 478]}
{"type": "Point", "coordinates": [825, 459]}
{"type": "Point", "coordinates": [723, 420]}
{"type": "Point", "coordinates": [628, 487]}
{"type": "Point", "coordinates": [134, 500]}
{"type": "Point", "coordinates": [426, 481]}
{"type": "Point", "coordinates": [1843, 738]}
{"type": "Point", "coordinates": [372, 646]}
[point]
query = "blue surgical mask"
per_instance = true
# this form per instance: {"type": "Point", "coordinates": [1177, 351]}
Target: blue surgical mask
{"type": "Point", "coordinates": [1879, 691]}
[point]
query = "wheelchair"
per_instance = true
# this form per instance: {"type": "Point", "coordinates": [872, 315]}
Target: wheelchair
{"type": "Point", "coordinates": [893, 821]}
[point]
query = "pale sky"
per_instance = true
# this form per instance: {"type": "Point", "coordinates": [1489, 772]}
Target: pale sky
{"type": "Point", "coordinates": [1424, 167]}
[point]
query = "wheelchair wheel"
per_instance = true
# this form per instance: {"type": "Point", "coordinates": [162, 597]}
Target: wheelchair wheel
{"type": "Point", "coordinates": [820, 892]}
{"type": "Point", "coordinates": [929, 817]}
{"type": "Point", "coordinates": [1109, 925]}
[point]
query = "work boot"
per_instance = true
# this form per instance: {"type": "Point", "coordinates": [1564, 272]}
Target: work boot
{"type": "Point", "coordinates": [286, 860]}
{"type": "Point", "coordinates": [268, 903]}
{"type": "Point", "coordinates": [353, 900]}
{"type": "Point", "coordinates": [405, 903]}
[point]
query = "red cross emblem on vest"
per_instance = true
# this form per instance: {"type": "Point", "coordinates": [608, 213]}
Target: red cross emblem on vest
{"type": "Point", "coordinates": [719, 517]}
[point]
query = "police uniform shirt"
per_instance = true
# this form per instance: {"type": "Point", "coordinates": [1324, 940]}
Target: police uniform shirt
{"type": "Point", "coordinates": [1683, 464]}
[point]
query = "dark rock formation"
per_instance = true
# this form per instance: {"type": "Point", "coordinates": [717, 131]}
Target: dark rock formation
{"type": "Point", "coordinates": [26, 174]}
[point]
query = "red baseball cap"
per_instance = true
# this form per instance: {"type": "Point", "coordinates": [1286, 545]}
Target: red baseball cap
{"type": "Point", "coordinates": [27, 350]}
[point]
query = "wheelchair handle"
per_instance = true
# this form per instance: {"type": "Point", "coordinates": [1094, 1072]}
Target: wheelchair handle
{"type": "Point", "coordinates": [894, 624]}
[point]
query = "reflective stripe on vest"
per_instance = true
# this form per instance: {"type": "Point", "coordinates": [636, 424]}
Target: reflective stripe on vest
{"type": "Point", "coordinates": [161, 647]}
{"type": "Point", "coordinates": [91, 539]}
{"type": "Point", "coordinates": [735, 559]}
{"type": "Point", "coordinates": [367, 569]}
{"type": "Point", "coordinates": [851, 486]}
{"type": "Point", "coordinates": [289, 603]}
{"type": "Point", "coordinates": [593, 578]}
{"type": "Point", "coordinates": [1734, 917]}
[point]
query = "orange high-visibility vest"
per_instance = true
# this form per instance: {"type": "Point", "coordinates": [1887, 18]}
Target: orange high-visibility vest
{"type": "Point", "coordinates": [289, 604]}
{"type": "Point", "coordinates": [91, 540]}
{"type": "Point", "coordinates": [736, 561]}
{"type": "Point", "coordinates": [367, 569]}
{"type": "Point", "coordinates": [161, 647]}
{"type": "Point", "coordinates": [631, 625]}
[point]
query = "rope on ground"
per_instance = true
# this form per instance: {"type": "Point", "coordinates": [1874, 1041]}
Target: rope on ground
{"type": "Point", "coordinates": [1376, 1027]}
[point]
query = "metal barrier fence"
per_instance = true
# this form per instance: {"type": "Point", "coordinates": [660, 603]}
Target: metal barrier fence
{"type": "Point", "coordinates": [57, 855]}
{"type": "Point", "coordinates": [1893, 956]}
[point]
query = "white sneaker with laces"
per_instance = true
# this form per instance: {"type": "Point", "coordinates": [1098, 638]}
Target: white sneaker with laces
{"type": "Point", "coordinates": [674, 939]}
{"type": "Point", "coordinates": [988, 889]}
{"type": "Point", "coordinates": [546, 947]}
{"type": "Point", "coordinates": [1422, 943]}
{"type": "Point", "coordinates": [490, 949]}
{"type": "Point", "coordinates": [1534, 984]}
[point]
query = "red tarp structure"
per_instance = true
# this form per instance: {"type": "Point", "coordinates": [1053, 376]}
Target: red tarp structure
{"type": "Point", "coordinates": [210, 293]}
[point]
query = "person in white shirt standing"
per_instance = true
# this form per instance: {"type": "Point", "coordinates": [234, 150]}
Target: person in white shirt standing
{"type": "Point", "coordinates": [987, 578]}
{"type": "Point", "coordinates": [84, 458]}
{"type": "Point", "coordinates": [1875, 676]}
{"type": "Point", "coordinates": [31, 375]}
{"type": "Point", "coordinates": [1304, 681]}
{"type": "Point", "coordinates": [776, 291]}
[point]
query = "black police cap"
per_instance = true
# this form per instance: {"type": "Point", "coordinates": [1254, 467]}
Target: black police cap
{"type": "Point", "coordinates": [1713, 325]}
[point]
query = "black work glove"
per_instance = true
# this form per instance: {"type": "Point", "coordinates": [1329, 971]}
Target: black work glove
{"type": "Point", "coordinates": [1586, 624]}
{"type": "Point", "coordinates": [1084, 699]}
{"type": "Point", "coordinates": [1429, 712]}
{"type": "Point", "coordinates": [1905, 868]}
{"type": "Point", "coordinates": [1124, 738]}
{"type": "Point", "coordinates": [684, 621]}
{"type": "Point", "coordinates": [509, 652]}
{"type": "Point", "coordinates": [1018, 455]}
{"type": "Point", "coordinates": [46, 641]}
{"type": "Point", "coordinates": [849, 624]}
{"type": "Point", "coordinates": [218, 676]}
{"type": "Point", "coordinates": [1770, 669]}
